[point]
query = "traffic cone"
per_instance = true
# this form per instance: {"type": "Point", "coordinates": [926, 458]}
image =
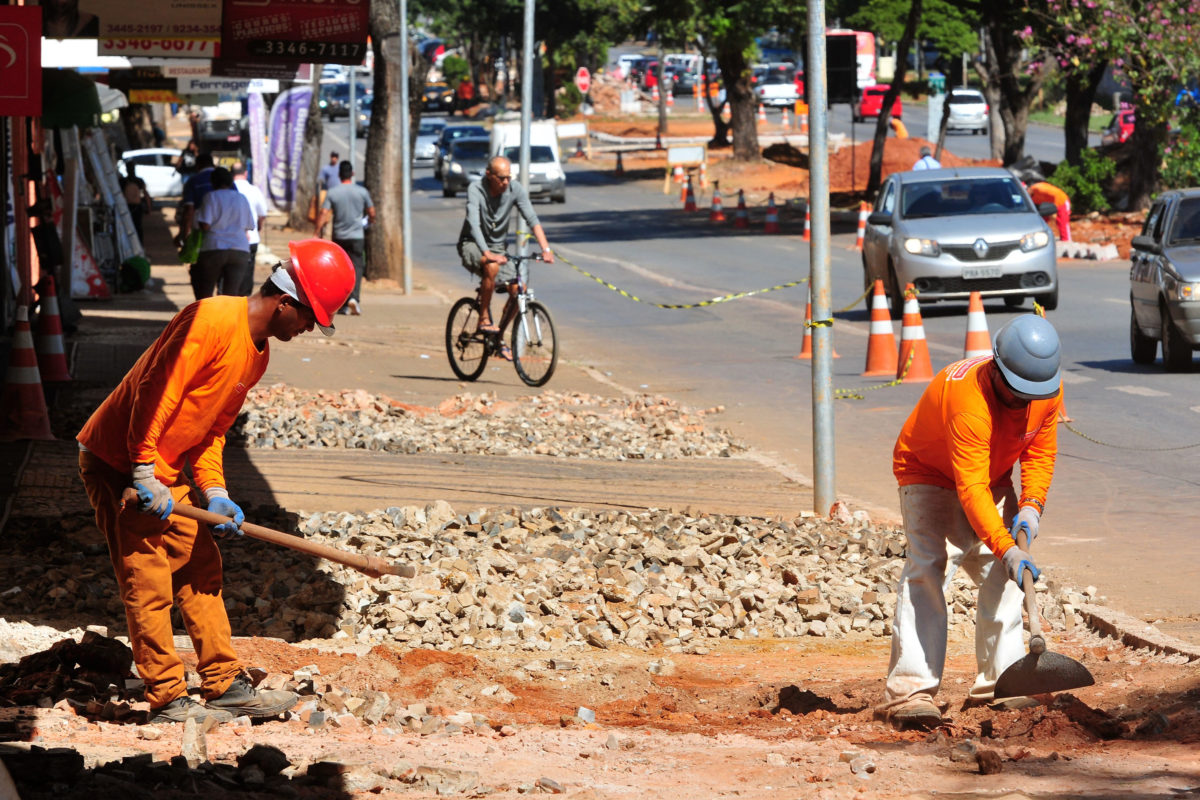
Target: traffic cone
{"type": "Point", "coordinates": [881, 343]}
{"type": "Point", "coordinates": [762, 114]}
{"type": "Point", "coordinates": [864, 211]}
{"type": "Point", "coordinates": [658, 140]}
{"type": "Point", "coordinates": [23, 412]}
{"type": "Point", "coordinates": [654, 94]}
{"type": "Point", "coordinates": [785, 122]}
{"type": "Point", "coordinates": [741, 219]}
{"type": "Point", "coordinates": [579, 149]}
{"type": "Point", "coordinates": [620, 170]}
{"type": "Point", "coordinates": [52, 358]}
{"type": "Point", "coordinates": [804, 123]}
{"type": "Point", "coordinates": [772, 225]}
{"type": "Point", "coordinates": [912, 343]}
{"type": "Point", "coordinates": [684, 183]}
{"type": "Point", "coordinates": [670, 98]}
{"type": "Point", "coordinates": [690, 203]}
{"type": "Point", "coordinates": [979, 341]}
{"type": "Point", "coordinates": [716, 213]}
{"type": "Point", "coordinates": [806, 345]}
{"type": "Point", "coordinates": [699, 98]}
{"type": "Point", "coordinates": [678, 174]}
{"type": "Point", "coordinates": [807, 221]}
{"type": "Point", "coordinates": [703, 175]}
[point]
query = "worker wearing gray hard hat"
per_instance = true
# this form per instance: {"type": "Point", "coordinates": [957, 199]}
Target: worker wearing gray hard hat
{"type": "Point", "coordinates": [953, 461]}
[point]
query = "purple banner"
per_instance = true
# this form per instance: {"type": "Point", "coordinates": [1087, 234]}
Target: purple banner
{"type": "Point", "coordinates": [288, 117]}
{"type": "Point", "coordinates": [257, 112]}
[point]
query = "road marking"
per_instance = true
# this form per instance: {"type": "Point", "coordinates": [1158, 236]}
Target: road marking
{"type": "Point", "coordinates": [1196, 409]}
{"type": "Point", "coordinates": [1075, 377]}
{"type": "Point", "coordinates": [1142, 391]}
{"type": "Point", "coordinates": [1119, 301]}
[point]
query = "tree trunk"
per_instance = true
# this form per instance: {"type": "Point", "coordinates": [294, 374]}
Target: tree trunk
{"type": "Point", "coordinates": [310, 163]}
{"type": "Point", "coordinates": [989, 76]}
{"type": "Point", "coordinates": [1144, 146]}
{"type": "Point", "coordinates": [1015, 100]}
{"type": "Point", "coordinates": [740, 96]}
{"type": "Point", "coordinates": [875, 176]}
{"type": "Point", "coordinates": [662, 90]}
{"type": "Point", "coordinates": [1081, 92]}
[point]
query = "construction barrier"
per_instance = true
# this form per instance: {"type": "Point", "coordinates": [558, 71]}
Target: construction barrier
{"type": "Point", "coordinates": [23, 412]}
{"type": "Point", "coordinates": [681, 159]}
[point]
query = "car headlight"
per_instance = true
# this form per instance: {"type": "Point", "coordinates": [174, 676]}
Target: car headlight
{"type": "Point", "coordinates": [456, 169]}
{"type": "Point", "coordinates": [922, 247]}
{"type": "Point", "coordinates": [554, 173]}
{"type": "Point", "coordinates": [1189, 291]}
{"type": "Point", "coordinates": [1034, 241]}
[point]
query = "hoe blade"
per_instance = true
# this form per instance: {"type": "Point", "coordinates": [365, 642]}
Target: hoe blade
{"type": "Point", "coordinates": [1042, 674]}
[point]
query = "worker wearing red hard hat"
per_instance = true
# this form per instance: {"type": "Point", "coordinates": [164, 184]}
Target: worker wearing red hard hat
{"type": "Point", "coordinates": [954, 460]}
{"type": "Point", "coordinates": [171, 411]}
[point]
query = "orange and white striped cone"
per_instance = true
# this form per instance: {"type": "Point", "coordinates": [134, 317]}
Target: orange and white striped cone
{"type": "Point", "coordinates": [864, 211]}
{"type": "Point", "coordinates": [785, 121]}
{"type": "Point", "coordinates": [806, 345]}
{"type": "Point", "coordinates": [620, 170]}
{"type": "Point", "coordinates": [689, 204]}
{"type": "Point", "coordinates": [670, 98]}
{"type": "Point", "coordinates": [677, 175]}
{"type": "Point", "coordinates": [772, 225]}
{"type": "Point", "coordinates": [762, 114]}
{"type": "Point", "coordinates": [684, 183]}
{"type": "Point", "coordinates": [807, 221]}
{"type": "Point", "coordinates": [912, 343]}
{"type": "Point", "coordinates": [881, 343]}
{"type": "Point", "coordinates": [716, 213]}
{"type": "Point", "coordinates": [52, 357]}
{"type": "Point", "coordinates": [654, 94]}
{"type": "Point", "coordinates": [741, 219]}
{"type": "Point", "coordinates": [804, 124]}
{"type": "Point", "coordinates": [703, 175]}
{"type": "Point", "coordinates": [979, 341]}
{"type": "Point", "coordinates": [699, 98]}
{"type": "Point", "coordinates": [579, 149]}
{"type": "Point", "coordinates": [23, 412]}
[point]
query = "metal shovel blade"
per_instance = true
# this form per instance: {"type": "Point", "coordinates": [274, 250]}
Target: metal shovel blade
{"type": "Point", "coordinates": [1042, 674]}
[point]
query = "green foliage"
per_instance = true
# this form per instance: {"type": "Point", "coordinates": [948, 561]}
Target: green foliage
{"type": "Point", "coordinates": [949, 26]}
{"type": "Point", "coordinates": [1180, 158]}
{"type": "Point", "coordinates": [1085, 183]}
{"type": "Point", "coordinates": [569, 98]}
{"type": "Point", "coordinates": [455, 70]}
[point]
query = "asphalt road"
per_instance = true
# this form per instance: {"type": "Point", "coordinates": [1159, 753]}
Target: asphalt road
{"type": "Point", "coordinates": [1121, 517]}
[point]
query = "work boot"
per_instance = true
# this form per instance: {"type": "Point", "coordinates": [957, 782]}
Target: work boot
{"type": "Point", "coordinates": [183, 708]}
{"type": "Point", "coordinates": [918, 713]}
{"type": "Point", "coordinates": [242, 699]}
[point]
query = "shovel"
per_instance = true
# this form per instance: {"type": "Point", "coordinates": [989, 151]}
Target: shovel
{"type": "Point", "coordinates": [372, 566]}
{"type": "Point", "coordinates": [1040, 671]}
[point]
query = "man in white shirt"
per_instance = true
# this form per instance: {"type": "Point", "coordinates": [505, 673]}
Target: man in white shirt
{"type": "Point", "coordinates": [225, 218]}
{"type": "Point", "coordinates": [258, 208]}
{"type": "Point", "coordinates": [927, 161]}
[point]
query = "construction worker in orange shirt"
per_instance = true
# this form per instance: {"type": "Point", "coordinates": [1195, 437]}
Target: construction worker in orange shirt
{"type": "Point", "coordinates": [172, 411]}
{"type": "Point", "coordinates": [953, 460]}
{"type": "Point", "coordinates": [1042, 192]}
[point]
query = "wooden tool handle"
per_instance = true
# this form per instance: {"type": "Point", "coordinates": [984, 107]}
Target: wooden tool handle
{"type": "Point", "coordinates": [1037, 644]}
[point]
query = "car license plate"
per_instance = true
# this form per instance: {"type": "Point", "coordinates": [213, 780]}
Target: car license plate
{"type": "Point", "coordinates": [972, 273]}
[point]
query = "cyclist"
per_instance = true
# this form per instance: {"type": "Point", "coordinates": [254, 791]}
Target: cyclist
{"type": "Point", "coordinates": [485, 231]}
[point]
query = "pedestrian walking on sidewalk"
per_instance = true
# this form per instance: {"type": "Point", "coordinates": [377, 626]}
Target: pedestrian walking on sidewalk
{"type": "Point", "coordinates": [226, 220]}
{"type": "Point", "coordinates": [953, 461]}
{"type": "Point", "coordinates": [171, 412]}
{"type": "Point", "coordinates": [350, 207]}
{"type": "Point", "coordinates": [258, 207]}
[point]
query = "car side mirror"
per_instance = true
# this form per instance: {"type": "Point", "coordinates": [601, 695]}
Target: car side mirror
{"type": "Point", "coordinates": [879, 218]}
{"type": "Point", "coordinates": [1146, 243]}
{"type": "Point", "coordinates": [1047, 209]}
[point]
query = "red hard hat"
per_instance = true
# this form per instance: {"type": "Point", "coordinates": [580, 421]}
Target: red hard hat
{"type": "Point", "coordinates": [325, 275]}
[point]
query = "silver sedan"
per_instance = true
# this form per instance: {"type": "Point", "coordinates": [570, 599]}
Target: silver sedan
{"type": "Point", "coordinates": [950, 232]}
{"type": "Point", "coordinates": [1164, 282]}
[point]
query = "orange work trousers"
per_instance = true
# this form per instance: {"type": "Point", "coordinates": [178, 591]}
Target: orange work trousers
{"type": "Point", "coordinates": [157, 563]}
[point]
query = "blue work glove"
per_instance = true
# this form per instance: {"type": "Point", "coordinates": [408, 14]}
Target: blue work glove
{"type": "Point", "coordinates": [153, 497]}
{"type": "Point", "coordinates": [1027, 518]}
{"type": "Point", "coordinates": [1016, 561]}
{"type": "Point", "coordinates": [219, 503]}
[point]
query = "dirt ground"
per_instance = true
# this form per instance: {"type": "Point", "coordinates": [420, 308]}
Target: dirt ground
{"type": "Point", "coordinates": [744, 720]}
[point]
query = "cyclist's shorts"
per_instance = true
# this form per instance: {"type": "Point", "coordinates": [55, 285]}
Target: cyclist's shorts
{"type": "Point", "coordinates": [472, 256]}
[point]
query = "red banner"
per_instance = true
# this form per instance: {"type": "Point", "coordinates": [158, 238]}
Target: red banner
{"type": "Point", "coordinates": [295, 31]}
{"type": "Point", "coordinates": [20, 61]}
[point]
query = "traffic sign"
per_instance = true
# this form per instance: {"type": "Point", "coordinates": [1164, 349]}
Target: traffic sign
{"type": "Point", "coordinates": [583, 80]}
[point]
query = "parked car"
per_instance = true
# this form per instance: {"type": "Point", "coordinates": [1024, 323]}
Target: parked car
{"type": "Point", "coordinates": [870, 103]}
{"type": "Point", "coordinates": [625, 63]}
{"type": "Point", "coordinates": [334, 98]}
{"type": "Point", "coordinates": [648, 74]}
{"type": "Point", "coordinates": [155, 166]}
{"type": "Point", "coordinates": [438, 97]}
{"type": "Point", "coordinates": [950, 232]}
{"type": "Point", "coordinates": [448, 135]}
{"type": "Point", "coordinates": [968, 111]}
{"type": "Point", "coordinates": [1164, 282]}
{"type": "Point", "coordinates": [546, 176]}
{"type": "Point", "coordinates": [465, 162]}
{"type": "Point", "coordinates": [426, 146]}
{"type": "Point", "coordinates": [1120, 127]}
{"type": "Point", "coordinates": [777, 86]}
{"type": "Point", "coordinates": [691, 76]}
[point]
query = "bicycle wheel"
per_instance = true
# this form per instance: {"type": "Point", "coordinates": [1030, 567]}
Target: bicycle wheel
{"type": "Point", "coordinates": [535, 350]}
{"type": "Point", "coordinates": [465, 347]}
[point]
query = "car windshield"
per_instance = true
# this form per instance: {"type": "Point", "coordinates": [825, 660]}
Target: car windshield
{"type": "Point", "coordinates": [962, 196]}
{"type": "Point", "coordinates": [963, 99]}
{"type": "Point", "coordinates": [429, 129]}
{"type": "Point", "coordinates": [461, 131]}
{"type": "Point", "coordinates": [470, 149]}
{"type": "Point", "coordinates": [538, 154]}
{"type": "Point", "coordinates": [779, 76]}
{"type": "Point", "coordinates": [1186, 227]}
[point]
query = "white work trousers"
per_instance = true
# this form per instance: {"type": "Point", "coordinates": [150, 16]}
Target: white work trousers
{"type": "Point", "coordinates": [940, 540]}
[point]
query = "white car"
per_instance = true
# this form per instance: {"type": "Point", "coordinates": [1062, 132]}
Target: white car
{"type": "Point", "coordinates": [155, 166]}
{"type": "Point", "coordinates": [968, 111]}
{"type": "Point", "coordinates": [426, 146]}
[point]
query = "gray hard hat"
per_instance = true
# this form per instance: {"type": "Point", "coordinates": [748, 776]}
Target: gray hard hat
{"type": "Point", "coordinates": [1029, 356]}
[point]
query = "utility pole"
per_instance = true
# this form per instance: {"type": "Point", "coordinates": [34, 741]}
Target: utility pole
{"type": "Point", "coordinates": [824, 493]}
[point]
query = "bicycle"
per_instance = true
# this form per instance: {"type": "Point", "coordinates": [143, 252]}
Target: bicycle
{"type": "Point", "coordinates": [534, 346]}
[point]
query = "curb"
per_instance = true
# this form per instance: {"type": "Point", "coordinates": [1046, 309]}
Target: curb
{"type": "Point", "coordinates": [1135, 633]}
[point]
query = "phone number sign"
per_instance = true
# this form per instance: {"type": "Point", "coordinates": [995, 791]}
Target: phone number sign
{"type": "Point", "coordinates": [295, 31]}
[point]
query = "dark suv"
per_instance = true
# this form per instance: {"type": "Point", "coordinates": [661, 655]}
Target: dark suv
{"type": "Point", "coordinates": [335, 99]}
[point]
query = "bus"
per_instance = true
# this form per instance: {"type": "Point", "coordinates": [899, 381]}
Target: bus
{"type": "Point", "coordinates": [865, 47]}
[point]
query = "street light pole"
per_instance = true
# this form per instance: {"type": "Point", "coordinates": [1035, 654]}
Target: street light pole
{"type": "Point", "coordinates": [824, 493]}
{"type": "Point", "coordinates": [405, 156]}
{"type": "Point", "coordinates": [526, 116]}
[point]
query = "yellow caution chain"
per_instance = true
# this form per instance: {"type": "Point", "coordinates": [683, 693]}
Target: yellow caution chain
{"type": "Point", "coordinates": [1094, 440]}
{"type": "Point", "coordinates": [855, 394]}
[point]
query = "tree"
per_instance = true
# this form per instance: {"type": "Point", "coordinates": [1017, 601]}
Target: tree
{"type": "Point", "coordinates": [885, 113]}
{"type": "Point", "coordinates": [1010, 81]}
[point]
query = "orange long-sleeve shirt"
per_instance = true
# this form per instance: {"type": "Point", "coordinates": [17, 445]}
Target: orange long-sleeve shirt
{"type": "Point", "coordinates": [175, 404]}
{"type": "Point", "coordinates": [961, 437]}
{"type": "Point", "coordinates": [1042, 192]}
